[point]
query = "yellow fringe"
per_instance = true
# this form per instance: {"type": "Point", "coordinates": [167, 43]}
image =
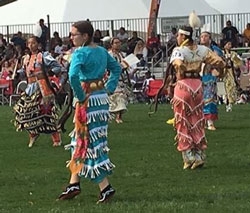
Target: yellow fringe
{"type": "Point", "coordinates": [75, 167]}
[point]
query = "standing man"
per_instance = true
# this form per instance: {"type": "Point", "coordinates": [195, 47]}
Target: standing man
{"type": "Point", "coordinates": [45, 34]}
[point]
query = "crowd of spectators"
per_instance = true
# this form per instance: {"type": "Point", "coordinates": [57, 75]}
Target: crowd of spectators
{"type": "Point", "coordinates": [11, 54]}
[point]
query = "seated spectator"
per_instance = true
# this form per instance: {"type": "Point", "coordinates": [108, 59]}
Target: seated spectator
{"type": "Point", "coordinates": [153, 41]}
{"type": "Point", "coordinates": [141, 52]}
{"type": "Point", "coordinates": [243, 98]}
{"type": "Point", "coordinates": [132, 42]}
{"type": "Point", "coordinates": [172, 42]}
{"type": "Point", "coordinates": [97, 38]}
{"type": "Point", "coordinates": [6, 74]}
{"type": "Point", "coordinates": [123, 37]}
{"type": "Point", "coordinates": [106, 42]}
{"type": "Point", "coordinates": [2, 53]}
{"type": "Point", "coordinates": [173, 34]}
{"type": "Point", "coordinates": [18, 40]}
{"type": "Point", "coordinates": [19, 52]}
{"type": "Point", "coordinates": [145, 85]}
{"type": "Point", "coordinates": [55, 40]}
{"type": "Point", "coordinates": [246, 35]}
{"type": "Point", "coordinates": [156, 57]}
{"type": "Point", "coordinates": [3, 41]}
{"type": "Point", "coordinates": [153, 45]}
{"type": "Point", "coordinates": [10, 52]}
{"type": "Point", "coordinates": [240, 40]}
{"type": "Point", "coordinates": [148, 77]}
{"type": "Point", "coordinates": [58, 49]}
{"type": "Point", "coordinates": [230, 33]}
{"type": "Point", "coordinates": [6, 71]}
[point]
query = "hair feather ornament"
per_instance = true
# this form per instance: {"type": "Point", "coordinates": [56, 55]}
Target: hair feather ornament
{"type": "Point", "coordinates": [194, 20]}
{"type": "Point", "coordinates": [195, 23]}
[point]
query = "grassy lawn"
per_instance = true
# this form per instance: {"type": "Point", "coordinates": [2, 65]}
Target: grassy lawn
{"type": "Point", "coordinates": [148, 176]}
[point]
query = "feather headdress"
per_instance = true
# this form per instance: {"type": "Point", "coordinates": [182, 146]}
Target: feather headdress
{"type": "Point", "coordinates": [205, 28]}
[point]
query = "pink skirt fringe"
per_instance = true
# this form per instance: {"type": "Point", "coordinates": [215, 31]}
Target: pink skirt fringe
{"type": "Point", "coordinates": [188, 112]}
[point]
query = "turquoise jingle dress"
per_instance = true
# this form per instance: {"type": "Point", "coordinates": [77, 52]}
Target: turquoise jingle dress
{"type": "Point", "coordinates": [89, 64]}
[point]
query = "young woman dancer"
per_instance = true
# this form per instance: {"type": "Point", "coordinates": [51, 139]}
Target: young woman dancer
{"type": "Point", "coordinates": [89, 139]}
{"type": "Point", "coordinates": [188, 97]}
{"type": "Point", "coordinates": [36, 111]}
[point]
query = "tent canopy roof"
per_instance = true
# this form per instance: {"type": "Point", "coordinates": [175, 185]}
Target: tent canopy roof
{"type": "Point", "coordinates": [4, 2]}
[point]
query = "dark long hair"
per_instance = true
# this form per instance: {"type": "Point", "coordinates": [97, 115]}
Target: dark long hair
{"type": "Point", "coordinates": [188, 29]}
{"type": "Point", "coordinates": [85, 27]}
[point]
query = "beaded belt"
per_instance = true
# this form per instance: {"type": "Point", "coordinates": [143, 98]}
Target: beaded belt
{"type": "Point", "coordinates": [91, 86]}
{"type": "Point", "coordinates": [191, 75]}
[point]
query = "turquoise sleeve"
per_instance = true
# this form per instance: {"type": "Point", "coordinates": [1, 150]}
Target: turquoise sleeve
{"type": "Point", "coordinates": [77, 61]}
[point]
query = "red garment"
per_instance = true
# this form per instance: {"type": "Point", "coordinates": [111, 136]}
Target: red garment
{"type": "Point", "coordinates": [188, 112]}
{"type": "Point", "coordinates": [212, 117]}
{"type": "Point", "coordinates": [5, 74]}
{"type": "Point", "coordinates": [9, 86]}
{"type": "Point", "coordinates": [33, 65]}
{"type": "Point", "coordinates": [154, 41]}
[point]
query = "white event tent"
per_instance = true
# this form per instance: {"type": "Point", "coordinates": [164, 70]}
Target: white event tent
{"type": "Point", "coordinates": [30, 11]}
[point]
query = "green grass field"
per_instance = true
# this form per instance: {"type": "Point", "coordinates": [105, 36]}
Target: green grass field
{"type": "Point", "coordinates": [148, 176]}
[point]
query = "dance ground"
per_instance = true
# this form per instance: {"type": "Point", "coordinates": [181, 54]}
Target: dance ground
{"type": "Point", "coordinates": [148, 176]}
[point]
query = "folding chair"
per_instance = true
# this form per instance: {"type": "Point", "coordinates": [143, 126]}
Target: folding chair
{"type": "Point", "coordinates": [153, 88]}
{"type": "Point", "coordinates": [21, 86]}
